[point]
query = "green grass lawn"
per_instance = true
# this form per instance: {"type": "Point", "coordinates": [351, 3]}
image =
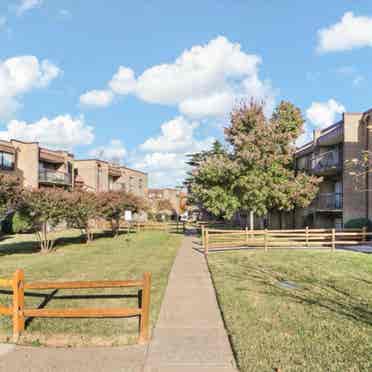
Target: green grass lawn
{"type": "Point", "coordinates": [323, 325]}
{"type": "Point", "coordinates": [105, 259]}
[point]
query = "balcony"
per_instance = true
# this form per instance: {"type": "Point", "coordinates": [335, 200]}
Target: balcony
{"type": "Point", "coordinates": [327, 202]}
{"type": "Point", "coordinates": [55, 178]}
{"type": "Point", "coordinates": [329, 162]}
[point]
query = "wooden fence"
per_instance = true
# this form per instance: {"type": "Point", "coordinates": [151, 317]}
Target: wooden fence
{"type": "Point", "coordinates": [19, 312]}
{"type": "Point", "coordinates": [218, 239]}
{"type": "Point", "coordinates": [170, 227]}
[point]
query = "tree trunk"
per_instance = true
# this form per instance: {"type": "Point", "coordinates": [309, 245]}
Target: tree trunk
{"type": "Point", "coordinates": [44, 242]}
{"type": "Point", "coordinates": [89, 235]}
{"type": "Point", "coordinates": [251, 220]}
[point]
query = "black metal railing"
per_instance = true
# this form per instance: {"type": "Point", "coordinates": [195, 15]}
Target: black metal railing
{"type": "Point", "coordinates": [328, 201]}
{"type": "Point", "coordinates": [326, 161]}
{"type": "Point", "coordinates": [55, 177]}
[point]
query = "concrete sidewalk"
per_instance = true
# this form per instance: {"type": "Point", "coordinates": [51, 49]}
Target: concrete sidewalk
{"type": "Point", "coordinates": [190, 334]}
{"type": "Point", "coordinates": [91, 359]}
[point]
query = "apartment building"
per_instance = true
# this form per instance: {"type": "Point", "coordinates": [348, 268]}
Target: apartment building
{"type": "Point", "coordinates": [173, 195]}
{"type": "Point", "coordinates": [330, 155]}
{"type": "Point", "coordinates": [98, 175]}
{"type": "Point", "coordinates": [36, 166]}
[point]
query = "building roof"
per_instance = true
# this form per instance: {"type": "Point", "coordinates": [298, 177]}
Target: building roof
{"type": "Point", "coordinates": [112, 164]}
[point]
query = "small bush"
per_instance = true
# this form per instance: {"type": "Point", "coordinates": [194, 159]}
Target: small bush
{"type": "Point", "coordinates": [20, 223]}
{"type": "Point", "coordinates": [358, 223]}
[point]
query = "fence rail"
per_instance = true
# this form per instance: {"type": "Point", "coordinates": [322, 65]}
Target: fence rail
{"type": "Point", "coordinates": [19, 312]}
{"type": "Point", "coordinates": [171, 227]}
{"type": "Point", "coordinates": [217, 239]}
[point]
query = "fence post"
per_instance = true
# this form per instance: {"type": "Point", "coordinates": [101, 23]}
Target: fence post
{"type": "Point", "coordinates": [18, 304]}
{"type": "Point", "coordinates": [145, 309]}
{"type": "Point", "coordinates": [266, 240]}
{"type": "Point", "coordinates": [307, 236]}
{"type": "Point", "coordinates": [364, 234]}
{"type": "Point", "coordinates": [246, 236]}
{"type": "Point", "coordinates": [333, 239]}
{"type": "Point", "coordinates": [206, 240]}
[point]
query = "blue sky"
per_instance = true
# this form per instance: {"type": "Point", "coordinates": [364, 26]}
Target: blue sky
{"type": "Point", "coordinates": [183, 66]}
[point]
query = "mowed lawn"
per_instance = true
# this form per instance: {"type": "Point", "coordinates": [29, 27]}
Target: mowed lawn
{"type": "Point", "coordinates": [104, 259]}
{"type": "Point", "coordinates": [325, 324]}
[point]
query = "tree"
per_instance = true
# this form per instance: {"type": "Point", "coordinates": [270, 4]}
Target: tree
{"type": "Point", "coordinates": [211, 186]}
{"type": "Point", "coordinates": [258, 174]}
{"type": "Point", "coordinates": [113, 204]}
{"type": "Point", "coordinates": [209, 181]}
{"type": "Point", "coordinates": [82, 208]}
{"type": "Point", "coordinates": [44, 208]}
{"type": "Point", "coordinates": [10, 193]}
{"type": "Point", "coordinates": [161, 208]}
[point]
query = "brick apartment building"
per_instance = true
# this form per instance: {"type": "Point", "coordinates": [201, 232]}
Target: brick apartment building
{"type": "Point", "coordinates": [98, 175]}
{"type": "Point", "coordinates": [173, 195]}
{"type": "Point", "coordinates": [36, 166]}
{"type": "Point", "coordinates": [329, 155]}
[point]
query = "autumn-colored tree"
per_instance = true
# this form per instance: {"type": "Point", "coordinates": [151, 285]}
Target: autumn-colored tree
{"type": "Point", "coordinates": [264, 151]}
{"type": "Point", "coordinates": [44, 208]}
{"type": "Point", "coordinates": [164, 206]}
{"type": "Point", "coordinates": [10, 193]}
{"type": "Point", "coordinates": [258, 174]}
{"type": "Point", "coordinates": [113, 204]}
{"type": "Point", "coordinates": [81, 209]}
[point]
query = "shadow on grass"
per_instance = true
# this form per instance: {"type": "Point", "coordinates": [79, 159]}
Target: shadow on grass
{"type": "Point", "coordinates": [48, 297]}
{"type": "Point", "coordinates": [32, 246]}
{"type": "Point", "coordinates": [311, 292]}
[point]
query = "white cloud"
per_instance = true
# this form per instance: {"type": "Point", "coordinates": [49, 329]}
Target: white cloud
{"type": "Point", "coordinates": [164, 157]}
{"type": "Point", "coordinates": [63, 132]}
{"type": "Point", "coordinates": [176, 136]}
{"type": "Point", "coordinates": [305, 137]}
{"type": "Point", "coordinates": [26, 5]}
{"type": "Point", "coordinates": [114, 151]}
{"type": "Point", "coordinates": [124, 81]}
{"type": "Point", "coordinates": [165, 169]}
{"type": "Point", "coordinates": [351, 32]}
{"type": "Point", "coordinates": [197, 72]}
{"type": "Point", "coordinates": [20, 75]}
{"type": "Point", "coordinates": [322, 114]}
{"type": "Point", "coordinates": [203, 81]}
{"type": "Point", "coordinates": [99, 98]}
{"type": "Point", "coordinates": [216, 104]}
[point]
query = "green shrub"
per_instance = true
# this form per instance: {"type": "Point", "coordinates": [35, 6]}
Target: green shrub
{"type": "Point", "coordinates": [20, 223]}
{"type": "Point", "coordinates": [358, 223]}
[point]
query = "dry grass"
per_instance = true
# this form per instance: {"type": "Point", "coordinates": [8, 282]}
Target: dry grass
{"type": "Point", "coordinates": [323, 325]}
{"type": "Point", "coordinates": [105, 259]}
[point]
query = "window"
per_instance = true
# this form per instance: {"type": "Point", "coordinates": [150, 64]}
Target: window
{"type": "Point", "coordinates": [6, 161]}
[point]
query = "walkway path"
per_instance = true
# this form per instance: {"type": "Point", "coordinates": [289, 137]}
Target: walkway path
{"type": "Point", "coordinates": [190, 334]}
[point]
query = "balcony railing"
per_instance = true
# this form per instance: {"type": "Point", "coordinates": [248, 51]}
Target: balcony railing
{"type": "Point", "coordinates": [328, 202]}
{"type": "Point", "coordinates": [55, 177]}
{"type": "Point", "coordinates": [330, 160]}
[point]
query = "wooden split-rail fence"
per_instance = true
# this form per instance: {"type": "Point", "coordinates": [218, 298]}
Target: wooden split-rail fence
{"type": "Point", "coordinates": [18, 311]}
{"type": "Point", "coordinates": [220, 239]}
